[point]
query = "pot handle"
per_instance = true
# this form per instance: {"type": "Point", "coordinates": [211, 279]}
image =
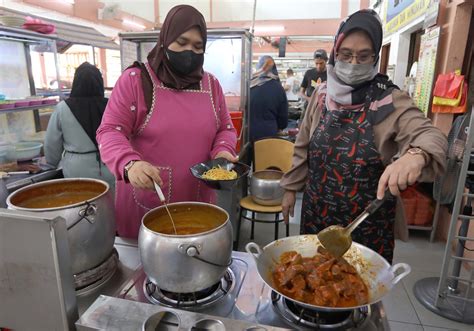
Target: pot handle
{"type": "Point", "coordinates": [193, 251]}
{"type": "Point", "coordinates": [406, 269]}
{"type": "Point", "coordinates": [87, 213]}
{"type": "Point", "coordinates": [255, 246]}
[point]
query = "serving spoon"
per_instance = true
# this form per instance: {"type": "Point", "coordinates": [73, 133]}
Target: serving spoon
{"type": "Point", "coordinates": [337, 239]}
{"type": "Point", "coordinates": [163, 200]}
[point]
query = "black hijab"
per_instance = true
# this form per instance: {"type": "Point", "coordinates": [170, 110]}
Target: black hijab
{"type": "Point", "coordinates": [86, 100]}
{"type": "Point", "coordinates": [179, 19]}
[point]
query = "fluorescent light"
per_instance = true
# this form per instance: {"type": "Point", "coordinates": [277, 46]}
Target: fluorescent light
{"type": "Point", "coordinates": [134, 24]}
{"type": "Point", "coordinates": [69, 1]}
{"type": "Point", "coordinates": [269, 28]}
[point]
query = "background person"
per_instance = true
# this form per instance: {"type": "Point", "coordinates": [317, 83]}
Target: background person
{"type": "Point", "coordinates": [268, 103]}
{"type": "Point", "coordinates": [290, 86]}
{"type": "Point", "coordinates": [70, 137]}
{"type": "Point", "coordinates": [314, 76]}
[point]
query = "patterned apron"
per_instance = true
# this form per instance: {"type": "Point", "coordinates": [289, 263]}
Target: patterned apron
{"type": "Point", "coordinates": [344, 170]}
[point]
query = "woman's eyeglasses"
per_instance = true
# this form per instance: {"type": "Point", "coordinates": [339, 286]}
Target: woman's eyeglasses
{"type": "Point", "coordinates": [360, 58]}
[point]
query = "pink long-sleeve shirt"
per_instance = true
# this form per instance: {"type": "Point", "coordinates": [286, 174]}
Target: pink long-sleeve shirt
{"type": "Point", "coordinates": [182, 128]}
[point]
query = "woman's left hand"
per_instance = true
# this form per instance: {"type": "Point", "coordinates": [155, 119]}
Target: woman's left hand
{"type": "Point", "coordinates": [401, 173]}
{"type": "Point", "coordinates": [226, 155]}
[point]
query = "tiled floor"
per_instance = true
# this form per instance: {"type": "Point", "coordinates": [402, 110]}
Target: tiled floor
{"type": "Point", "coordinates": [404, 311]}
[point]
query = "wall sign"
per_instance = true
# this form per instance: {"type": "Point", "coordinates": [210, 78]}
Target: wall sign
{"type": "Point", "coordinates": [426, 69]}
{"type": "Point", "coordinates": [398, 13]}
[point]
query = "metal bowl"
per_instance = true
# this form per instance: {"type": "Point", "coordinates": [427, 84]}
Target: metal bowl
{"type": "Point", "coordinates": [199, 169]}
{"type": "Point", "coordinates": [265, 187]}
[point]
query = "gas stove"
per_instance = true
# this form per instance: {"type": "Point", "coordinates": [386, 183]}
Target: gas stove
{"type": "Point", "coordinates": [240, 301]}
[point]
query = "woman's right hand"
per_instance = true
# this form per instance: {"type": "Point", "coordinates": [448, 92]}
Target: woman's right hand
{"type": "Point", "coordinates": [288, 205]}
{"type": "Point", "coordinates": [142, 174]}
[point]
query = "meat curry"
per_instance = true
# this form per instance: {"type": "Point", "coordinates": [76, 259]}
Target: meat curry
{"type": "Point", "coordinates": [321, 280]}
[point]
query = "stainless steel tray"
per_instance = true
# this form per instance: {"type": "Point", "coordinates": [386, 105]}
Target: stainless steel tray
{"type": "Point", "coordinates": [108, 313]}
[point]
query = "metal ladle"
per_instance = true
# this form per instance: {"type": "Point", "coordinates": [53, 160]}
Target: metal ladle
{"type": "Point", "coordinates": [337, 239]}
{"type": "Point", "coordinates": [163, 200]}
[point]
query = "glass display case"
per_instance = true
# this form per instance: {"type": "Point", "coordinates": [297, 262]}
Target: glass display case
{"type": "Point", "coordinates": [21, 106]}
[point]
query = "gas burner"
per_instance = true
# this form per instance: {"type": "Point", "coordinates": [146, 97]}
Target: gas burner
{"type": "Point", "coordinates": [91, 279]}
{"type": "Point", "coordinates": [202, 298]}
{"type": "Point", "coordinates": [307, 318]}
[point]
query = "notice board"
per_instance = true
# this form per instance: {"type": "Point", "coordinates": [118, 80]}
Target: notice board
{"type": "Point", "coordinates": [426, 69]}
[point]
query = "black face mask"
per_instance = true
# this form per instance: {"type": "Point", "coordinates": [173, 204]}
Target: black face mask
{"type": "Point", "coordinates": [184, 62]}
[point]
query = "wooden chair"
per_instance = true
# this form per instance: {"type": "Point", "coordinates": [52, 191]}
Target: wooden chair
{"type": "Point", "coordinates": [271, 153]}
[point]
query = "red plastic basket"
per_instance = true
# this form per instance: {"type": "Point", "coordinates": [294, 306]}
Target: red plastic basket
{"type": "Point", "coordinates": [418, 207]}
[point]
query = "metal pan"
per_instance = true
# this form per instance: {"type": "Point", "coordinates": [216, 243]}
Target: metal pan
{"type": "Point", "coordinates": [379, 276]}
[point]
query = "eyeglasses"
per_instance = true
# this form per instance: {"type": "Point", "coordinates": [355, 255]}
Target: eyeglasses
{"type": "Point", "coordinates": [360, 58]}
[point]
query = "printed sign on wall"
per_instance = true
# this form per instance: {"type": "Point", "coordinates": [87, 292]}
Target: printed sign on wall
{"type": "Point", "coordinates": [426, 69]}
{"type": "Point", "coordinates": [398, 13]}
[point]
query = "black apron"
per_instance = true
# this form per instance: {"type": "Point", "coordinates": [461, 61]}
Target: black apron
{"type": "Point", "coordinates": [344, 170]}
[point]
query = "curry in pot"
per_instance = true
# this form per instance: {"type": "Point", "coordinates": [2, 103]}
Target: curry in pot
{"type": "Point", "coordinates": [321, 280]}
{"type": "Point", "coordinates": [188, 219]}
{"type": "Point", "coordinates": [58, 194]}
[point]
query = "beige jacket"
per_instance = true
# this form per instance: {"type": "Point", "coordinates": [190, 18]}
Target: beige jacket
{"type": "Point", "coordinates": [405, 128]}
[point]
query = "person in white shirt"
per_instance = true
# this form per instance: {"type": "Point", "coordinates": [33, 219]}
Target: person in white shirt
{"type": "Point", "coordinates": [291, 87]}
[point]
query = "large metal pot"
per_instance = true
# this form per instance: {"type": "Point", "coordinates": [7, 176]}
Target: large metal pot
{"type": "Point", "coordinates": [185, 263]}
{"type": "Point", "coordinates": [379, 276]}
{"type": "Point", "coordinates": [90, 222]}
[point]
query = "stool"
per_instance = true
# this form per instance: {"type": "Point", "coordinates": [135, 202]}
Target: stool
{"type": "Point", "coordinates": [247, 204]}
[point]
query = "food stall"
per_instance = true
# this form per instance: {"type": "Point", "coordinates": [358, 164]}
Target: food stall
{"type": "Point", "coordinates": [36, 71]}
{"type": "Point", "coordinates": [20, 123]}
{"type": "Point", "coordinates": [50, 297]}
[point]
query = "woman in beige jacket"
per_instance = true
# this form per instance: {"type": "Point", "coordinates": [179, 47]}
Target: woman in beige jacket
{"type": "Point", "coordinates": [360, 136]}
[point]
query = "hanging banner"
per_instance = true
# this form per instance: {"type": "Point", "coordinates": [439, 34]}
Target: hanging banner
{"type": "Point", "coordinates": [398, 13]}
{"type": "Point", "coordinates": [426, 69]}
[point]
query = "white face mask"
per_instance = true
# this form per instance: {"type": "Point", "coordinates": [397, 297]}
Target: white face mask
{"type": "Point", "coordinates": [354, 74]}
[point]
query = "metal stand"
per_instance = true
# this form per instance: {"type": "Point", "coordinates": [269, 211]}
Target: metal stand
{"type": "Point", "coordinates": [451, 295]}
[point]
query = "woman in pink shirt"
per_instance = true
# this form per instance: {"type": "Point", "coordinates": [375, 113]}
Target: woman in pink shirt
{"type": "Point", "coordinates": [163, 117]}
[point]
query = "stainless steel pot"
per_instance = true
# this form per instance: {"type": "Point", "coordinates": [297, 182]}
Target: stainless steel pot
{"type": "Point", "coordinates": [90, 223]}
{"type": "Point", "coordinates": [265, 187]}
{"type": "Point", "coordinates": [185, 263]}
{"type": "Point", "coordinates": [379, 276]}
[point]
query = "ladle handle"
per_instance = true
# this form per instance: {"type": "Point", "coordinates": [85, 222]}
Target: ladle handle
{"type": "Point", "coordinates": [159, 192]}
{"type": "Point", "coordinates": [375, 204]}
{"type": "Point", "coordinates": [371, 208]}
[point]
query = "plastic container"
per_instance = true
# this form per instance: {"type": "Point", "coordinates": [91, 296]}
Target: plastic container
{"type": "Point", "coordinates": [7, 105]}
{"type": "Point", "coordinates": [22, 103]}
{"type": "Point", "coordinates": [48, 101]}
